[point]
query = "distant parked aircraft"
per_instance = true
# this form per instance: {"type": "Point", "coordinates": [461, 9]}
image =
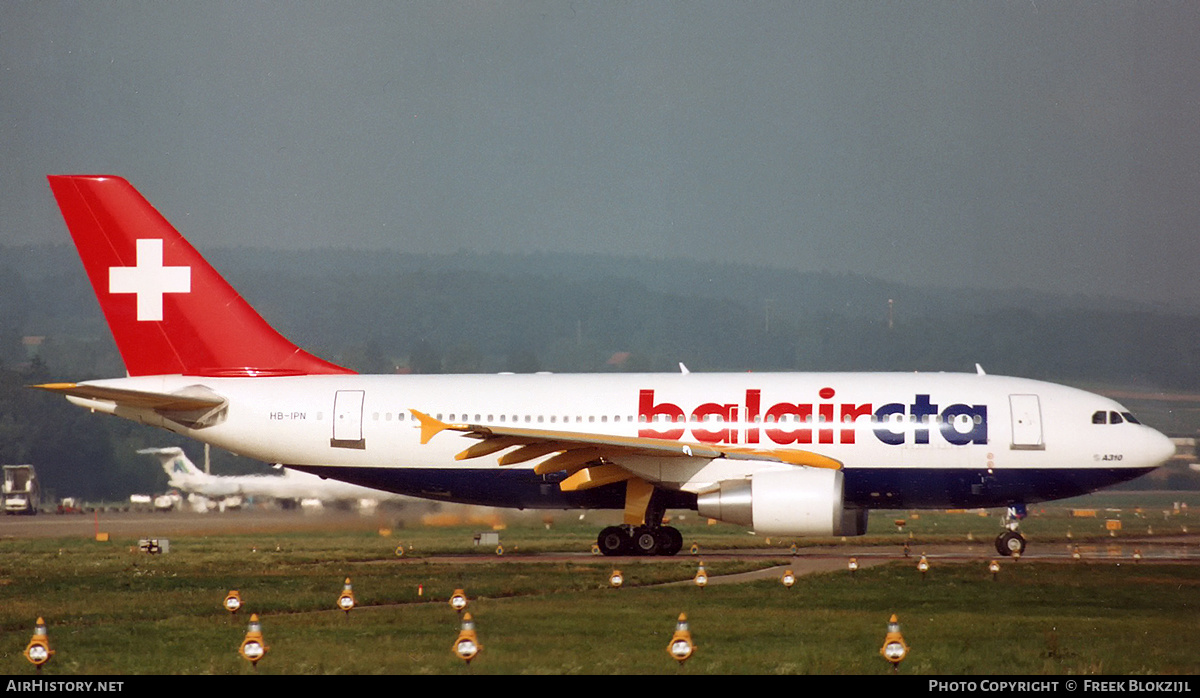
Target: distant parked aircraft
{"type": "Point", "coordinates": [232, 490]}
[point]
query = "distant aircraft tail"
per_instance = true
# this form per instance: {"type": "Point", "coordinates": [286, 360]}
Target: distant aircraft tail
{"type": "Point", "coordinates": [169, 310]}
{"type": "Point", "coordinates": [174, 461]}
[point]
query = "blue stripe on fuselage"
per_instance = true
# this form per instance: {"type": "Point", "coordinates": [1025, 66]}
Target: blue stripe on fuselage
{"type": "Point", "coordinates": [941, 488]}
{"type": "Point", "coordinates": [874, 488]}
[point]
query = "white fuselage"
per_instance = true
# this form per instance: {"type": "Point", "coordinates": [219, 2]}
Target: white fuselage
{"type": "Point", "coordinates": [905, 439]}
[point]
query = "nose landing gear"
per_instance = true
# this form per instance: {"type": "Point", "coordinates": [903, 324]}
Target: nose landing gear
{"type": "Point", "coordinates": [1011, 543]}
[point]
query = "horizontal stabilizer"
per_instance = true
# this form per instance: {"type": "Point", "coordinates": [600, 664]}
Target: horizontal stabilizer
{"type": "Point", "coordinates": [187, 401]}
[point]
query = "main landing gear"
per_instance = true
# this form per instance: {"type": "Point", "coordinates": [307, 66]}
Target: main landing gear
{"type": "Point", "coordinates": [1011, 543]}
{"type": "Point", "coordinates": [642, 503]}
{"type": "Point", "coordinates": [640, 540]}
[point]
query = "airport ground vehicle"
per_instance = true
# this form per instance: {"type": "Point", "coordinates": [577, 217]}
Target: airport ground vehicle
{"type": "Point", "coordinates": [22, 494]}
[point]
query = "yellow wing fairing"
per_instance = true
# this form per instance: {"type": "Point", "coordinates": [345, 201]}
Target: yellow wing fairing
{"type": "Point", "coordinates": [569, 461]}
{"type": "Point", "coordinates": [488, 447]}
{"type": "Point", "coordinates": [596, 476]}
{"type": "Point", "coordinates": [529, 452]}
{"type": "Point", "coordinates": [577, 450]}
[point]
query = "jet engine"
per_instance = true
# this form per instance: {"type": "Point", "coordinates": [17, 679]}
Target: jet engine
{"type": "Point", "coordinates": [795, 502]}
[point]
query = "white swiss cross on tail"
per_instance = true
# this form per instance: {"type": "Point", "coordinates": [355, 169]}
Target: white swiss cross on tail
{"type": "Point", "coordinates": [149, 280]}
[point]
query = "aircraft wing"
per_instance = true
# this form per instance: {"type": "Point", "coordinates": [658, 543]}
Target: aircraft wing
{"type": "Point", "coordinates": [183, 401]}
{"type": "Point", "coordinates": [588, 458]}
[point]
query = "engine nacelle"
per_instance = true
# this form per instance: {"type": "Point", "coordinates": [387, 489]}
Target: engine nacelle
{"type": "Point", "coordinates": [794, 502]}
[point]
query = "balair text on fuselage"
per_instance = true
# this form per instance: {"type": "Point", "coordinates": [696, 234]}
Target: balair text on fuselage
{"type": "Point", "coordinates": [794, 423]}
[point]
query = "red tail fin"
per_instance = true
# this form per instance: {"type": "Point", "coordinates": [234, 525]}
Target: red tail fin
{"type": "Point", "coordinates": [169, 311]}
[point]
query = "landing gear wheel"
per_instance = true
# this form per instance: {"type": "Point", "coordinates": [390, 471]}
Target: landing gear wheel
{"type": "Point", "coordinates": [1010, 543]}
{"type": "Point", "coordinates": [670, 540]}
{"type": "Point", "coordinates": [645, 541]}
{"type": "Point", "coordinates": [613, 541]}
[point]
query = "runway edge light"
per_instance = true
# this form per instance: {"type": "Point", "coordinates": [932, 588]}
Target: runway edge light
{"type": "Point", "coordinates": [38, 650]}
{"type": "Point", "coordinates": [894, 648]}
{"type": "Point", "coordinates": [253, 648]}
{"type": "Point", "coordinates": [345, 601]}
{"type": "Point", "coordinates": [681, 647]}
{"type": "Point", "coordinates": [467, 646]}
{"type": "Point", "coordinates": [233, 602]}
{"type": "Point", "coordinates": [458, 600]}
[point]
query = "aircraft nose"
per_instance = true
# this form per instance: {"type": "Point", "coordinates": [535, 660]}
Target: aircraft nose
{"type": "Point", "coordinates": [1158, 449]}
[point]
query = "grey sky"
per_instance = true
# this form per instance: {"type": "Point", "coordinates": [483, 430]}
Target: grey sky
{"type": "Point", "coordinates": [1043, 145]}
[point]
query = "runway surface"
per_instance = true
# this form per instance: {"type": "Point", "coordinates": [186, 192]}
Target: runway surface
{"type": "Point", "coordinates": [160, 524]}
{"type": "Point", "coordinates": [1184, 549]}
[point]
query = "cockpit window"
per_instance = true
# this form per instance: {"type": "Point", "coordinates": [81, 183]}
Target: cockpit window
{"type": "Point", "coordinates": [1112, 417]}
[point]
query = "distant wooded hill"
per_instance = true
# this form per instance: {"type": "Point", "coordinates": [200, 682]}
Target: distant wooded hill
{"type": "Point", "coordinates": [379, 311]}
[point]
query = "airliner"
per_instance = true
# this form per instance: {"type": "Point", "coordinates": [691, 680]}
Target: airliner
{"type": "Point", "coordinates": [785, 454]}
{"type": "Point", "coordinates": [288, 485]}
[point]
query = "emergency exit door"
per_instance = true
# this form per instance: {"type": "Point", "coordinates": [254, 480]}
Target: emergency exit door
{"type": "Point", "coordinates": [1026, 423]}
{"type": "Point", "coordinates": [348, 419]}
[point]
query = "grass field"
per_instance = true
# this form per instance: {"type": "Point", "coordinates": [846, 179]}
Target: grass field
{"type": "Point", "coordinates": [113, 610]}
